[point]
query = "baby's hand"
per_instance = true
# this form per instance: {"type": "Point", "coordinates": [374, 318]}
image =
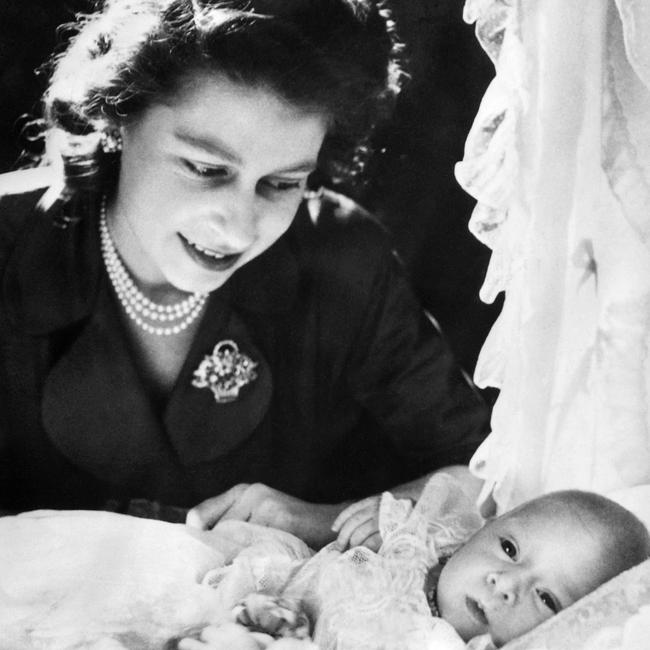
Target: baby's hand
{"type": "Point", "coordinates": [272, 615]}
{"type": "Point", "coordinates": [358, 525]}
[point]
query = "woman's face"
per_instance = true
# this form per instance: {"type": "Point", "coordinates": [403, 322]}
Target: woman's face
{"type": "Point", "coordinates": [209, 179]}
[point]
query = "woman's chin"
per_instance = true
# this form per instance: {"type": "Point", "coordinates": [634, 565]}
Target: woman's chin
{"type": "Point", "coordinates": [201, 281]}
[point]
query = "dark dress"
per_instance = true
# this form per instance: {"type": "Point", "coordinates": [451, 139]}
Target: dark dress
{"type": "Point", "coordinates": [356, 390]}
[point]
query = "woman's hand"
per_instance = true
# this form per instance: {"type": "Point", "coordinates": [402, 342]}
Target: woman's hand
{"type": "Point", "coordinates": [265, 506]}
{"type": "Point", "coordinates": [358, 525]}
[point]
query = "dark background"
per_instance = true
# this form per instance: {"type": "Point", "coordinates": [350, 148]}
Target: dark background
{"type": "Point", "coordinates": [412, 187]}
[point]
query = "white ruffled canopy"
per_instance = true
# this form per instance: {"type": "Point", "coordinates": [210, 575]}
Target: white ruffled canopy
{"type": "Point", "coordinates": [559, 161]}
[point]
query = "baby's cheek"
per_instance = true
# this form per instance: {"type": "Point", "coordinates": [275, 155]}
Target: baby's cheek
{"type": "Point", "coordinates": [516, 623]}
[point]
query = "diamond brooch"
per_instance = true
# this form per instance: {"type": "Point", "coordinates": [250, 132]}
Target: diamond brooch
{"type": "Point", "coordinates": [225, 371]}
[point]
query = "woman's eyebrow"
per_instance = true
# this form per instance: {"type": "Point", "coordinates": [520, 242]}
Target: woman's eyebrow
{"type": "Point", "coordinates": [303, 166]}
{"type": "Point", "coordinates": [212, 146]}
{"type": "Point", "coordinates": [215, 147]}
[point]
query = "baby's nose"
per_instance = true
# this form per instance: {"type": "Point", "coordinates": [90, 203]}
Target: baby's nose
{"type": "Point", "coordinates": [504, 587]}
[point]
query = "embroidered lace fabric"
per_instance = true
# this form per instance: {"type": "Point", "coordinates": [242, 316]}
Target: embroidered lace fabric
{"type": "Point", "coordinates": [363, 600]}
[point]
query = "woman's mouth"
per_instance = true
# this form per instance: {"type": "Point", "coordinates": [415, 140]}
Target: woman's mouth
{"type": "Point", "coordinates": [475, 609]}
{"type": "Point", "coordinates": [208, 258]}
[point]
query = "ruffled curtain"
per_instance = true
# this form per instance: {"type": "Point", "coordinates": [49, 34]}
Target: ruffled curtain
{"type": "Point", "coordinates": [559, 161]}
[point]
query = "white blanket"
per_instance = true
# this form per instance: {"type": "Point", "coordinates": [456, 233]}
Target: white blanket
{"type": "Point", "coordinates": [99, 580]}
{"type": "Point", "coordinates": [72, 579]}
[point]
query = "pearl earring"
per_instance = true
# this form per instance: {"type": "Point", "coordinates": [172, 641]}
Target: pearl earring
{"type": "Point", "coordinates": [111, 141]}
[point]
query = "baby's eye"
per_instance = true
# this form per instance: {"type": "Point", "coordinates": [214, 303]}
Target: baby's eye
{"type": "Point", "coordinates": [509, 548]}
{"type": "Point", "coordinates": [549, 601]}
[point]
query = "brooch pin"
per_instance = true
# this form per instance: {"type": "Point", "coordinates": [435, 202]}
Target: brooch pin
{"type": "Point", "coordinates": [225, 371]}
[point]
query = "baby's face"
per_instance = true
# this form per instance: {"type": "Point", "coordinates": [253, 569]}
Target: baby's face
{"type": "Point", "coordinates": [519, 570]}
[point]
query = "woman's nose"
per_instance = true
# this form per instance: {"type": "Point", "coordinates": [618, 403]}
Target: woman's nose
{"type": "Point", "coordinates": [504, 586]}
{"type": "Point", "coordinates": [234, 215]}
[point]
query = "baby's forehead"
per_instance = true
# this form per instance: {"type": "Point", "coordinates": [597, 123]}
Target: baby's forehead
{"type": "Point", "coordinates": [575, 538]}
{"type": "Point", "coordinates": [564, 522]}
{"type": "Point", "coordinates": [555, 517]}
{"type": "Point", "coordinates": [551, 508]}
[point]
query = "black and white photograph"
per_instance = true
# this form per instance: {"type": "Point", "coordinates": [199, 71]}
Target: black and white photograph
{"type": "Point", "coordinates": [324, 324]}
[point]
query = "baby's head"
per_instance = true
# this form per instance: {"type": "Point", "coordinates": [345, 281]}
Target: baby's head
{"type": "Point", "coordinates": [526, 565]}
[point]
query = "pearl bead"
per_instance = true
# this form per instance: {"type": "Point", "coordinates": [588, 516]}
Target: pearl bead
{"type": "Point", "coordinates": [136, 305]}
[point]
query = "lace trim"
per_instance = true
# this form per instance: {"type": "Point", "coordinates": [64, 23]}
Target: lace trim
{"type": "Point", "coordinates": [489, 170]}
{"type": "Point", "coordinates": [431, 586]}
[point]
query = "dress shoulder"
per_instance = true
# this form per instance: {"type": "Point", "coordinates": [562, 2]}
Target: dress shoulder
{"type": "Point", "coordinates": [346, 240]}
{"type": "Point", "coordinates": [20, 193]}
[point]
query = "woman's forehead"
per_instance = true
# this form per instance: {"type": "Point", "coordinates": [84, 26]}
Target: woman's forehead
{"type": "Point", "coordinates": [204, 84]}
{"type": "Point", "coordinates": [242, 124]}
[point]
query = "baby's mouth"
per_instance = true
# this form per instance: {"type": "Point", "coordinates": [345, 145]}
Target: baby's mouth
{"type": "Point", "coordinates": [476, 610]}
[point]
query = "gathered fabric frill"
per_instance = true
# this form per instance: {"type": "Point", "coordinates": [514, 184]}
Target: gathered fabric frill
{"type": "Point", "coordinates": [558, 159]}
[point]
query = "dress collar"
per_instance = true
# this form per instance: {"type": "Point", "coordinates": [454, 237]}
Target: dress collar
{"type": "Point", "coordinates": [269, 283]}
{"type": "Point", "coordinates": [52, 274]}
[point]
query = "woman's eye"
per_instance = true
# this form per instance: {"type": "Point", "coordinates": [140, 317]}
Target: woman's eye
{"type": "Point", "coordinates": [509, 548]}
{"type": "Point", "coordinates": [549, 601]}
{"type": "Point", "coordinates": [279, 185]}
{"type": "Point", "coordinates": [205, 171]}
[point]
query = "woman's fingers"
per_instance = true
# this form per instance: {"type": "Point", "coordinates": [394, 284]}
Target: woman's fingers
{"type": "Point", "coordinates": [344, 538]}
{"type": "Point", "coordinates": [357, 523]}
{"type": "Point", "coordinates": [352, 510]}
{"type": "Point", "coordinates": [357, 536]}
{"type": "Point", "coordinates": [373, 541]}
{"type": "Point", "coordinates": [266, 506]}
{"type": "Point", "coordinates": [256, 504]}
{"type": "Point", "coordinates": [207, 513]}
{"type": "Point", "coordinates": [241, 509]}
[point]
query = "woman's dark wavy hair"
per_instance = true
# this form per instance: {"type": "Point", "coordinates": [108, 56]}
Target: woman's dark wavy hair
{"type": "Point", "coordinates": [339, 57]}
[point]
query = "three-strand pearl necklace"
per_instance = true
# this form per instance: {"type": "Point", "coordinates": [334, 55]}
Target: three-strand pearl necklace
{"type": "Point", "coordinates": [154, 318]}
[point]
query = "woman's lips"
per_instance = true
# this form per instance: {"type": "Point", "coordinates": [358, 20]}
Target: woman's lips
{"type": "Point", "coordinates": [476, 610]}
{"type": "Point", "coordinates": [207, 258]}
